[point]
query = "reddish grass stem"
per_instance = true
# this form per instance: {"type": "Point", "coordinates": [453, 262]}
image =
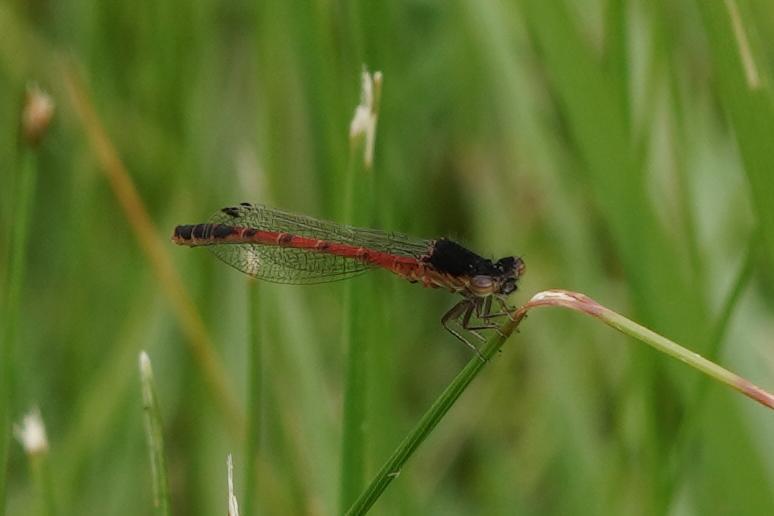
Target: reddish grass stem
{"type": "Point", "coordinates": [583, 304]}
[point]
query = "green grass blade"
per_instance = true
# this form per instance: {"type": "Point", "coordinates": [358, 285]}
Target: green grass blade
{"type": "Point", "coordinates": [254, 401]}
{"type": "Point", "coordinates": [359, 196]}
{"type": "Point", "coordinates": [429, 421]}
{"type": "Point", "coordinates": [233, 504]}
{"type": "Point", "coordinates": [617, 59]}
{"type": "Point", "coordinates": [36, 116]}
{"type": "Point", "coordinates": [566, 299]}
{"type": "Point", "coordinates": [154, 433]}
{"type": "Point", "coordinates": [32, 435]}
{"type": "Point", "coordinates": [588, 306]}
{"type": "Point", "coordinates": [746, 96]}
{"type": "Point", "coordinates": [353, 439]}
{"type": "Point", "coordinates": [690, 429]}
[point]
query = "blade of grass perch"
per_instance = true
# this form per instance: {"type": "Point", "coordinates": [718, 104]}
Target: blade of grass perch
{"type": "Point", "coordinates": [430, 419]}
{"type": "Point", "coordinates": [155, 436]}
{"type": "Point", "coordinates": [559, 298]}
{"type": "Point", "coordinates": [581, 303]}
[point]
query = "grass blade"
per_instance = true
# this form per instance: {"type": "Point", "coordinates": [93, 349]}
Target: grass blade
{"type": "Point", "coordinates": [690, 429]}
{"type": "Point", "coordinates": [36, 116]}
{"type": "Point", "coordinates": [747, 99]}
{"type": "Point", "coordinates": [254, 401]}
{"type": "Point", "coordinates": [359, 194]}
{"type": "Point", "coordinates": [233, 505]}
{"type": "Point", "coordinates": [584, 304]}
{"type": "Point", "coordinates": [154, 432]}
{"type": "Point", "coordinates": [32, 435]}
{"type": "Point", "coordinates": [566, 299]}
{"type": "Point", "coordinates": [430, 420]}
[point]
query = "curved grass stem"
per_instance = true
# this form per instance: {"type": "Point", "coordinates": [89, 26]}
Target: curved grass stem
{"type": "Point", "coordinates": [438, 409]}
{"type": "Point", "coordinates": [586, 305]}
{"type": "Point", "coordinates": [561, 298]}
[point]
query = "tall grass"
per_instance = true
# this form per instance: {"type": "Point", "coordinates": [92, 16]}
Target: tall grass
{"type": "Point", "coordinates": [619, 147]}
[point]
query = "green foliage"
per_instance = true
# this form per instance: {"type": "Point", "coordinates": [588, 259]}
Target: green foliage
{"type": "Point", "coordinates": [620, 147]}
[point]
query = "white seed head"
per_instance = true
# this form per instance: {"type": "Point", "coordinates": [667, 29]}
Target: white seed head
{"type": "Point", "coordinates": [366, 113]}
{"type": "Point", "coordinates": [32, 433]}
{"type": "Point", "coordinates": [145, 365]}
{"type": "Point", "coordinates": [146, 379]}
{"type": "Point", "coordinates": [36, 115]}
{"type": "Point", "coordinates": [233, 506]}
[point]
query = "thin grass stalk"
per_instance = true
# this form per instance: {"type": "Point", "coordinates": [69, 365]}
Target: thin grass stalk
{"type": "Point", "coordinates": [32, 436]}
{"type": "Point", "coordinates": [353, 447]}
{"type": "Point", "coordinates": [583, 304]}
{"type": "Point", "coordinates": [154, 433]}
{"type": "Point", "coordinates": [41, 477]}
{"type": "Point", "coordinates": [16, 273]}
{"type": "Point", "coordinates": [233, 504]}
{"type": "Point", "coordinates": [359, 195]}
{"type": "Point", "coordinates": [681, 448]}
{"type": "Point", "coordinates": [430, 420]}
{"type": "Point", "coordinates": [353, 444]}
{"type": "Point", "coordinates": [558, 298]}
{"type": "Point", "coordinates": [746, 96]}
{"type": "Point", "coordinates": [616, 47]}
{"type": "Point", "coordinates": [739, 285]}
{"type": "Point", "coordinates": [36, 116]}
{"type": "Point", "coordinates": [254, 401]}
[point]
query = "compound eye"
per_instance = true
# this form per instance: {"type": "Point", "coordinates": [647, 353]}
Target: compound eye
{"type": "Point", "coordinates": [508, 287]}
{"type": "Point", "coordinates": [506, 264]}
{"type": "Point", "coordinates": [481, 283]}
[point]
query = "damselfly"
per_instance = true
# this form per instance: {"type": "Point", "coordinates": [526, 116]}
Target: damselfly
{"type": "Point", "coordinates": [282, 247]}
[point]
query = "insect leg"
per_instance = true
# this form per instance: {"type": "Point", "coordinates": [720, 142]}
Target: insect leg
{"type": "Point", "coordinates": [482, 308]}
{"type": "Point", "coordinates": [505, 310]}
{"type": "Point", "coordinates": [462, 309]}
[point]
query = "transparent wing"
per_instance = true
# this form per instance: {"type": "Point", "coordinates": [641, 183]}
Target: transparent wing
{"type": "Point", "coordinates": [301, 265]}
{"type": "Point", "coordinates": [274, 263]}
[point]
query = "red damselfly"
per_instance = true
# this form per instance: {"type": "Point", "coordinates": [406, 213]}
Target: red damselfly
{"type": "Point", "coordinates": [281, 247]}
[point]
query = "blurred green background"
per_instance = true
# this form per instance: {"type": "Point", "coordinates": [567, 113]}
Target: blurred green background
{"type": "Point", "coordinates": [623, 148]}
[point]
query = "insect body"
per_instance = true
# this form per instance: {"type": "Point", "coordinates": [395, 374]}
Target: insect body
{"type": "Point", "coordinates": [282, 247]}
